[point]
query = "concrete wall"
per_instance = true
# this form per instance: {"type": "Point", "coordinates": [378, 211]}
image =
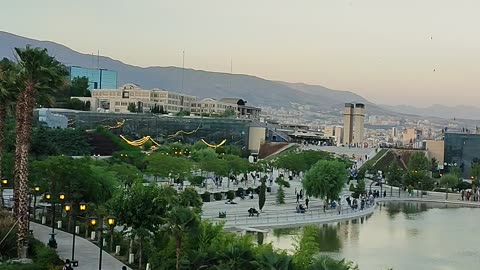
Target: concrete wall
{"type": "Point", "coordinates": [256, 136]}
{"type": "Point", "coordinates": [436, 149]}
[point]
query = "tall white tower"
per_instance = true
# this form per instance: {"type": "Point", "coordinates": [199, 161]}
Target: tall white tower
{"type": "Point", "coordinates": [348, 123]}
{"type": "Point", "coordinates": [358, 123]}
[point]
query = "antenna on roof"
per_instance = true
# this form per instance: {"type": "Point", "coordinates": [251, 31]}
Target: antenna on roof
{"type": "Point", "coordinates": [231, 74]}
{"type": "Point", "coordinates": [183, 69]}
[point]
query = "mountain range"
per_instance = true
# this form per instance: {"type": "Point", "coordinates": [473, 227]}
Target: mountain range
{"type": "Point", "coordinates": [257, 91]}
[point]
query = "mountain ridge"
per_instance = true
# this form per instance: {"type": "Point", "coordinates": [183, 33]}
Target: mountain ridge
{"type": "Point", "coordinates": [201, 83]}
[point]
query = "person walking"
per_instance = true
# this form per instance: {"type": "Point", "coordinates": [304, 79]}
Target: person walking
{"type": "Point", "coordinates": [384, 193]}
{"type": "Point", "coordinates": [301, 193]}
{"type": "Point", "coordinates": [306, 202]}
{"type": "Point", "coordinates": [463, 194]}
{"type": "Point", "coordinates": [298, 198]}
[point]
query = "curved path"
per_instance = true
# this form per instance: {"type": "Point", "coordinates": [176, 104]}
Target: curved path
{"type": "Point", "coordinates": [86, 252]}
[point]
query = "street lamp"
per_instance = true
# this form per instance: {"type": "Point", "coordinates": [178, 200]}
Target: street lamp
{"type": "Point", "coordinates": [70, 209]}
{"type": "Point", "coordinates": [36, 189]}
{"type": "Point", "coordinates": [49, 198]}
{"type": "Point", "coordinates": [4, 183]}
{"type": "Point", "coordinates": [51, 242]}
{"type": "Point", "coordinates": [111, 223]}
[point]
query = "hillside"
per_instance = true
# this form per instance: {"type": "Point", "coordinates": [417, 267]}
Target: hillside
{"type": "Point", "coordinates": [255, 90]}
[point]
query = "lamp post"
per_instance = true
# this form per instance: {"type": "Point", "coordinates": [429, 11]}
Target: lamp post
{"type": "Point", "coordinates": [48, 197]}
{"type": "Point", "coordinates": [93, 223]}
{"type": "Point", "coordinates": [4, 183]}
{"type": "Point", "coordinates": [36, 189]}
{"type": "Point", "coordinates": [51, 242]}
{"type": "Point", "coordinates": [71, 209]}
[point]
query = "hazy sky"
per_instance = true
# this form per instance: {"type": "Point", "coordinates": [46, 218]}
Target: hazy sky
{"type": "Point", "coordinates": [385, 50]}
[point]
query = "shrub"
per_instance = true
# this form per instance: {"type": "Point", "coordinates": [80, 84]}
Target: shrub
{"type": "Point", "coordinates": [230, 195]}
{"type": "Point", "coordinates": [206, 196]}
{"type": "Point", "coordinates": [8, 247]}
{"type": "Point", "coordinates": [240, 192]}
{"type": "Point", "coordinates": [217, 196]}
{"type": "Point", "coordinates": [282, 182]}
{"type": "Point", "coordinates": [280, 196]}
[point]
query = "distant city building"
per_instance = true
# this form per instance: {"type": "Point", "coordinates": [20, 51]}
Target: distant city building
{"type": "Point", "coordinates": [462, 150]}
{"type": "Point", "coordinates": [334, 132]}
{"type": "Point", "coordinates": [348, 123]}
{"type": "Point", "coordinates": [97, 78]}
{"type": "Point", "coordinates": [394, 132]}
{"type": "Point", "coordinates": [144, 100]}
{"type": "Point", "coordinates": [411, 135]}
{"type": "Point", "coordinates": [353, 123]}
{"type": "Point", "coordinates": [358, 123]}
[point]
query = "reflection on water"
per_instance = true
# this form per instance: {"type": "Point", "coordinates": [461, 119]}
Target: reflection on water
{"type": "Point", "coordinates": [406, 235]}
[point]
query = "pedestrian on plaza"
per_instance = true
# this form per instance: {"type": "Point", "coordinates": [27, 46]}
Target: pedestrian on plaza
{"type": "Point", "coordinates": [306, 202]}
{"type": "Point", "coordinates": [68, 265]}
{"type": "Point", "coordinates": [295, 191]}
{"type": "Point", "coordinates": [298, 198]}
{"type": "Point", "coordinates": [463, 194]}
{"type": "Point", "coordinates": [301, 194]}
{"type": "Point", "coordinates": [324, 207]}
{"type": "Point", "coordinates": [384, 193]}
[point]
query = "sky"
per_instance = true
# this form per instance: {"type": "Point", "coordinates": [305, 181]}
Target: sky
{"type": "Point", "coordinates": [416, 52]}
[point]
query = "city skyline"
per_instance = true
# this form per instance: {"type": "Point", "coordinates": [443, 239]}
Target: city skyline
{"type": "Point", "coordinates": [419, 53]}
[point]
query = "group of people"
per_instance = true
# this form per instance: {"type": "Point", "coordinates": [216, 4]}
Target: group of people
{"type": "Point", "coordinates": [363, 200]}
{"type": "Point", "coordinates": [471, 195]}
{"type": "Point", "coordinates": [299, 195]}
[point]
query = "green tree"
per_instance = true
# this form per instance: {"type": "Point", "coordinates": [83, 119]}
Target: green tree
{"type": "Point", "coordinates": [143, 209]}
{"type": "Point", "coordinates": [229, 112]}
{"type": "Point", "coordinates": [325, 179]}
{"type": "Point", "coordinates": [39, 75]}
{"type": "Point", "coordinates": [190, 198]}
{"type": "Point", "coordinates": [306, 247]}
{"type": "Point", "coordinates": [8, 92]}
{"type": "Point", "coordinates": [79, 87]}
{"type": "Point", "coordinates": [394, 177]}
{"type": "Point", "coordinates": [262, 195]}
{"type": "Point", "coordinates": [132, 107]}
{"type": "Point", "coordinates": [77, 104]}
{"type": "Point", "coordinates": [197, 180]}
{"type": "Point", "coordinates": [127, 174]}
{"type": "Point", "coordinates": [160, 165]}
{"type": "Point", "coordinates": [448, 181]}
{"type": "Point", "coordinates": [328, 263]}
{"type": "Point", "coordinates": [280, 196]}
{"type": "Point", "coordinates": [178, 221]}
{"type": "Point", "coordinates": [419, 162]}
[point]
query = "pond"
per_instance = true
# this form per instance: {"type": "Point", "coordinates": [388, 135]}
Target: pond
{"type": "Point", "coordinates": [402, 236]}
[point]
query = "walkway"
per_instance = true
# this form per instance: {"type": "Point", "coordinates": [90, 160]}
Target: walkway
{"type": "Point", "coordinates": [86, 252]}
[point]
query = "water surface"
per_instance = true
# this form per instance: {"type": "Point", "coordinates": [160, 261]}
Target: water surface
{"type": "Point", "coordinates": [402, 236]}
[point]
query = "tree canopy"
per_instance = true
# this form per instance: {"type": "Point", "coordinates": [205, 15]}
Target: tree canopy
{"type": "Point", "coordinates": [325, 179]}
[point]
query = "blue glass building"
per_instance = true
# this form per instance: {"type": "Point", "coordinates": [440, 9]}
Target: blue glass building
{"type": "Point", "coordinates": [462, 149]}
{"type": "Point", "coordinates": [97, 78]}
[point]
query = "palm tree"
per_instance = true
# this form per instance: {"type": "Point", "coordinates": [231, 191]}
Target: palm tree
{"type": "Point", "coordinates": [178, 221]}
{"type": "Point", "coordinates": [39, 75]}
{"type": "Point", "coordinates": [7, 96]}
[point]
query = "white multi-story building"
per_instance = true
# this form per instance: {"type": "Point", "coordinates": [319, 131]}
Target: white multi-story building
{"type": "Point", "coordinates": [119, 100]}
{"type": "Point", "coordinates": [144, 100]}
